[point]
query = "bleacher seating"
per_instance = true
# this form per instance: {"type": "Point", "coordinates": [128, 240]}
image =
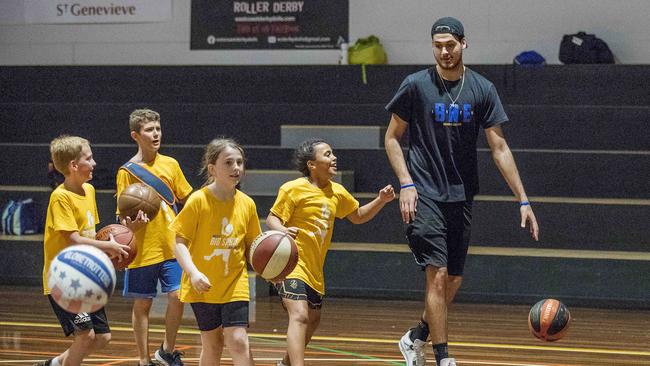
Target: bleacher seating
{"type": "Point", "coordinates": [577, 133]}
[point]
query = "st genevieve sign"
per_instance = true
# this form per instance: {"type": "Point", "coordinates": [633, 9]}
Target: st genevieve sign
{"type": "Point", "coordinates": [97, 11]}
{"type": "Point", "coordinates": [309, 24]}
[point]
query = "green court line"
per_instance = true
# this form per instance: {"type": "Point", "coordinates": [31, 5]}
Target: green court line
{"type": "Point", "coordinates": [331, 350]}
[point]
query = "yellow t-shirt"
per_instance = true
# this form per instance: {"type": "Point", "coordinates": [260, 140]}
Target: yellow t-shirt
{"type": "Point", "coordinates": [312, 210]}
{"type": "Point", "coordinates": [155, 241]}
{"type": "Point", "coordinates": [67, 211]}
{"type": "Point", "coordinates": [218, 235]}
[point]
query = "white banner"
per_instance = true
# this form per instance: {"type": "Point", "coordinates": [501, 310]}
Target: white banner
{"type": "Point", "coordinates": [97, 11]}
{"type": "Point", "coordinates": [12, 12]}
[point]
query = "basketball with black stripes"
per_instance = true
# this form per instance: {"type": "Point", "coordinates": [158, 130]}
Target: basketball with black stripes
{"type": "Point", "coordinates": [136, 197]}
{"type": "Point", "coordinates": [549, 320]}
{"type": "Point", "coordinates": [273, 255]}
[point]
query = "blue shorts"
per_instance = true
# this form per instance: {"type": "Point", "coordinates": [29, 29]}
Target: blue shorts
{"type": "Point", "coordinates": [213, 316]}
{"type": "Point", "coordinates": [142, 282]}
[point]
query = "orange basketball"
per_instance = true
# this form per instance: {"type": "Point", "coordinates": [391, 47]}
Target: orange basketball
{"type": "Point", "coordinates": [136, 197]}
{"type": "Point", "coordinates": [549, 320]}
{"type": "Point", "coordinates": [273, 255]}
{"type": "Point", "coordinates": [124, 236]}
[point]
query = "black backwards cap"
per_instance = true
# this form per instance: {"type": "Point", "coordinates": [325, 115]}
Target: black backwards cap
{"type": "Point", "coordinates": [448, 25]}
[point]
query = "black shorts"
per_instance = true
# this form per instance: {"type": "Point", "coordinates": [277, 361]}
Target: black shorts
{"type": "Point", "coordinates": [439, 235]}
{"type": "Point", "coordinates": [212, 316]}
{"type": "Point", "coordinates": [295, 289]}
{"type": "Point", "coordinates": [71, 322]}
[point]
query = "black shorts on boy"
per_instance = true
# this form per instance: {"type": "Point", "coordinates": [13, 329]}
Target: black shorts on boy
{"type": "Point", "coordinates": [439, 235]}
{"type": "Point", "coordinates": [71, 322]}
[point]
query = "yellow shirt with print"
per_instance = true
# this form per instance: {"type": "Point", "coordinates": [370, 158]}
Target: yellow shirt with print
{"type": "Point", "coordinates": [155, 240]}
{"type": "Point", "coordinates": [67, 212]}
{"type": "Point", "coordinates": [312, 210]}
{"type": "Point", "coordinates": [218, 235]}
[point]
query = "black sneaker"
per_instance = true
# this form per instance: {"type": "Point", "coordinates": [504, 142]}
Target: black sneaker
{"type": "Point", "coordinates": [167, 358]}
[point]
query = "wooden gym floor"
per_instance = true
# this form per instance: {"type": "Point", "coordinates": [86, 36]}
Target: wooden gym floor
{"type": "Point", "coordinates": [353, 332]}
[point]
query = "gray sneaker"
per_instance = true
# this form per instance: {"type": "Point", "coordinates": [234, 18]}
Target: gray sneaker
{"type": "Point", "coordinates": [168, 358]}
{"type": "Point", "coordinates": [413, 351]}
{"type": "Point", "coordinates": [43, 363]}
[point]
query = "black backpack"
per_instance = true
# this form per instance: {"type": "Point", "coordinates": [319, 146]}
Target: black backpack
{"type": "Point", "coordinates": [583, 48]}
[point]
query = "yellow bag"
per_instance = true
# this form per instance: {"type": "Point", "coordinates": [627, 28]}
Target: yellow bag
{"type": "Point", "coordinates": [367, 51]}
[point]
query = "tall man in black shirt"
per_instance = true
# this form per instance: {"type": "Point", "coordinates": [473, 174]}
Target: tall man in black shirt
{"type": "Point", "coordinates": [443, 108]}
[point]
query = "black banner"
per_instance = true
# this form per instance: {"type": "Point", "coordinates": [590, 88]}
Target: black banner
{"type": "Point", "coordinates": [271, 24]}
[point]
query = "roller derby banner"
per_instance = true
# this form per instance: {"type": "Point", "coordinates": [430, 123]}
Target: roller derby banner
{"type": "Point", "coordinates": [97, 11]}
{"type": "Point", "coordinates": [271, 24]}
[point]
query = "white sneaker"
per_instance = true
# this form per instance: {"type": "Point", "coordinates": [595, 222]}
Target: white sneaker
{"type": "Point", "coordinates": [413, 352]}
{"type": "Point", "coordinates": [448, 362]}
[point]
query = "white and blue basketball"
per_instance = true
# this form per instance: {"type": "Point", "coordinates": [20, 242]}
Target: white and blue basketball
{"type": "Point", "coordinates": [81, 279]}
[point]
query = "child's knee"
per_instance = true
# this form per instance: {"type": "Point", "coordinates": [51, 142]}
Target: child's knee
{"type": "Point", "coordinates": [212, 350]}
{"type": "Point", "coordinates": [239, 343]}
{"type": "Point", "coordinates": [299, 316]}
{"type": "Point", "coordinates": [85, 338]}
{"type": "Point", "coordinates": [173, 295]}
{"type": "Point", "coordinates": [142, 306]}
{"type": "Point", "coordinates": [101, 340]}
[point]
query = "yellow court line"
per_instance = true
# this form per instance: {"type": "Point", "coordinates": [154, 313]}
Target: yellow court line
{"type": "Point", "coordinates": [375, 340]}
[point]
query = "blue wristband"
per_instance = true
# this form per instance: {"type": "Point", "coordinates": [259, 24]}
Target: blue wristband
{"type": "Point", "coordinates": [524, 203]}
{"type": "Point", "coordinates": [407, 185]}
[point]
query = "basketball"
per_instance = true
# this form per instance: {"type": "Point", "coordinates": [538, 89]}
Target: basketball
{"type": "Point", "coordinates": [549, 320]}
{"type": "Point", "coordinates": [273, 255]}
{"type": "Point", "coordinates": [81, 279]}
{"type": "Point", "coordinates": [136, 197]}
{"type": "Point", "coordinates": [124, 236]}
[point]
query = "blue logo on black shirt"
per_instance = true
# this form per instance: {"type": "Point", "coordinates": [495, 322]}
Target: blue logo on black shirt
{"type": "Point", "coordinates": [452, 114]}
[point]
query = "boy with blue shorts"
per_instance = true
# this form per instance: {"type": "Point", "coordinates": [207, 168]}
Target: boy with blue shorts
{"type": "Point", "coordinates": [155, 260]}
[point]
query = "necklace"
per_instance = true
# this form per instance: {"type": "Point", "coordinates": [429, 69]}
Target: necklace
{"type": "Point", "coordinates": [444, 85]}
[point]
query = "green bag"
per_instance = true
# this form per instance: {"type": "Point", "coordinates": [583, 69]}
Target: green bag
{"type": "Point", "coordinates": [367, 51]}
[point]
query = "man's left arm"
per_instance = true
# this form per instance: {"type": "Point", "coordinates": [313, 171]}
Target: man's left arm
{"type": "Point", "coordinates": [506, 163]}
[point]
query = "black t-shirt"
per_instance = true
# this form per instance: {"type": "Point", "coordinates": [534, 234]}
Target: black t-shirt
{"type": "Point", "coordinates": [442, 158]}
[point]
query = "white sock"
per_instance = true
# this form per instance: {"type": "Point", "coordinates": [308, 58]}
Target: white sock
{"type": "Point", "coordinates": [55, 361]}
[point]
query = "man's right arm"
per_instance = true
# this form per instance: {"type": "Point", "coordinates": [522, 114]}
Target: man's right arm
{"type": "Point", "coordinates": [408, 196]}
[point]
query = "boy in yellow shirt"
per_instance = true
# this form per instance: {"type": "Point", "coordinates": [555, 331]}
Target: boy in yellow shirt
{"type": "Point", "coordinates": [71, 219]}
{"type": "Point", "coordinates": [155, 260]}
